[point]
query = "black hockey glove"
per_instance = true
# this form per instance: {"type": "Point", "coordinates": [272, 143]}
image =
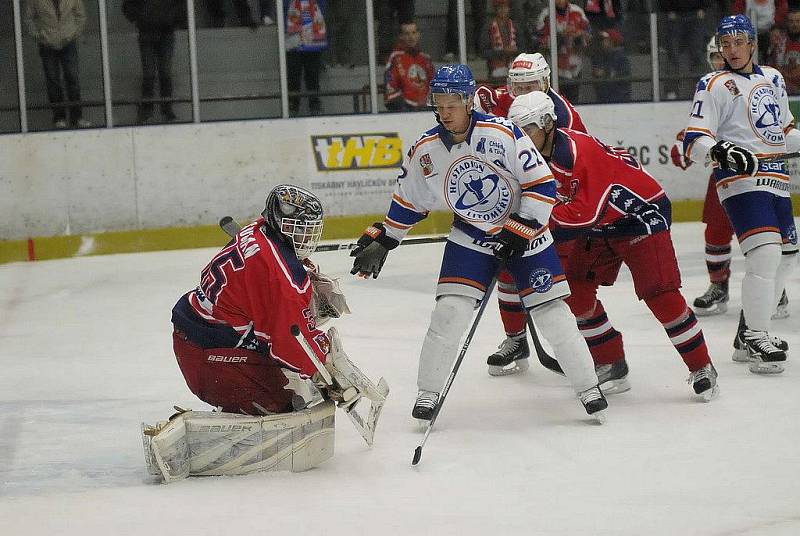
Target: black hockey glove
{"type": "Point", "coordinates": [733, 157]}
{"type": "Point", "coordinates": [371, 251]}
{"type": "Point", "coordinates": [515, 236]}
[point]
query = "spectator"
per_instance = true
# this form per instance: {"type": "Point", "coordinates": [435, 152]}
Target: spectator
{"type": "Point", "coordinates": [499, 41]}
{"type": "Point", "coordinates": [306, 40]}
{"type": "Point", "coordinates": [56, 26]}
{"type": "Point", "coordinates": [776, 52]}
{"type": "Point", "coordinates": [156, 21]}
{"type": "Point", "coordinates": [789, 60]}
{"type": "Point", "coordinates": [408, 73]}
{"type": "Point", "coordinates": [604, 14]}
{"type": "Point", "coordinates": [573, 32]}
{"type": "Point", "coordinates": [683, 26]}
{"type": "Point", "coordinates": [216, 9]}
{"type": "Point", "coordinates": [765, 14]}
{"type": "Point", "coordinates": [385, 11]}
{"type": "Point", "coordinates": [267, 8]}
{"type": "Point", "coordinates": [609, 62]}
{"type": "Point", "coordinates": [478, 16]}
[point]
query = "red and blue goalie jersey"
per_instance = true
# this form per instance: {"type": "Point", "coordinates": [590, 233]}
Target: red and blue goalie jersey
{"type": "Point", "coordinates": [604, 188]}
{"type": "Point", "coordinates": [250, 295]}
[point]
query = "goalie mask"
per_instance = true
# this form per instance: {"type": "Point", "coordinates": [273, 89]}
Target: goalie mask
{"type": "Point", "coordinates": [295, 214]}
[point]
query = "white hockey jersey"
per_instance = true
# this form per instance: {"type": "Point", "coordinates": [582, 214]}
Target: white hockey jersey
{"type": "Point", "coordinates": [495, 172]}
{"type": "Point", "coordinates": [751, 111]}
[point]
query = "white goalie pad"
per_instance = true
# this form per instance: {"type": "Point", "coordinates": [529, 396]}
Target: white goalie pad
{"type": "Point", "coordinates": [201, 443]}
{"type": "Point", "coordinates": [363, 400]}
{"type": "Point", "coordinates": [328, 299]}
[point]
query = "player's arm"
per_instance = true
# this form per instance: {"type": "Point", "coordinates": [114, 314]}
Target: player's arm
{"type": "Point", "coordinates": [700, 141]}
{"type": "Point", "coordinates": [409, 205]}
{"type": "Point", "coordinates": [283, 301]}
{"type": "Point", "coordinates": [485, 99]}
{"type": "Point", "coordinates": [538, 196]}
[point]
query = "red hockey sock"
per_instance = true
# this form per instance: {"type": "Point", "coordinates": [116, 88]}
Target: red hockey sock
{"type": "Point", "coordinates": [682, 328]}
{"type": "Point", "coordinates": [605, 342]}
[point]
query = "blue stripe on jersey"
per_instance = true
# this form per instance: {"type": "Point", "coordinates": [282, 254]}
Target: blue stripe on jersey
{"type": "Point", "coordinates": [289, 257]}
{"type": "Point", "coordinates": [546, 188]}
{"type": "Point", "coordinates": [562, 152]}
{"type": "Point", "coordinates": [403, 215]}
{"type": "Point", "coordinates": [689, 137]}
{"type": "Point", "coordinates": [562, 113]}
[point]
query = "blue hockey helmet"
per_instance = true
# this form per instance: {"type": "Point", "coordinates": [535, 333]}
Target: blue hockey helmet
{"type": "Point", "coordinates": [452, 79]}
{"type": "Point", "coordinates": [733, 24]}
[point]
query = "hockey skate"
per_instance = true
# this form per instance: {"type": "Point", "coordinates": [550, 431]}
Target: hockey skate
{"type": "Point", "coordinates": [594, 403]}
{"type": "Point", "coordinates": [613, 378]}
{"type": "Point", "coordinates": [741, 354]}
{"type": "Point", "coordinates": [425, 406]}
{"type": "Point", "coordinates": [782, 310]}
{"type": "Point", "coordinates": [510, 358]}
{"type": "Point", "coordinates": [704, 382]}
{"type": "Point", "coordinates": [714, 301]}
{"type": "Point", "coordinates": [766, 354]}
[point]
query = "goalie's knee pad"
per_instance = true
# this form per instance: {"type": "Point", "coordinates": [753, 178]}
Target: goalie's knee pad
{"type": "Point", "coordinates": [200, 443]}
{"type": "Point", "coordinates": [448, 323]}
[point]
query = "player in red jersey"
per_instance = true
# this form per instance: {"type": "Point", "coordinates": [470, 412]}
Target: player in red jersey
{"type": "Point", "coordinates": [718, 232]}
{"type": "Point", "coordinates": [614, 212]}
{"type": "Point", "coordinates": [528, 72]}
{"type": "Point", "coordinates": [247, 341]}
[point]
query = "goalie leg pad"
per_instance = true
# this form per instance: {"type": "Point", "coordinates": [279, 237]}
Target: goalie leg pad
{"type": "Point", "coordinates": [200, 443]}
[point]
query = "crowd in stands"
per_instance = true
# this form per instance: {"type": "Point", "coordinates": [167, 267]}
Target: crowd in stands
{"type": "Point", "coordinates": [597, 46]}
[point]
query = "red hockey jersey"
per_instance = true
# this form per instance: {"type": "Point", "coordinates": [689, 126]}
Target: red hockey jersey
{"type": "Point", "coordinates": [258, 288]}
{"type": "Point", "coordinates": [497, 101]}
{"type": "Point", "coordinates": [603, 187]}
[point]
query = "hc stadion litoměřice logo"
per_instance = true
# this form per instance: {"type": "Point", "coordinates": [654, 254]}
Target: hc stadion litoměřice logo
{"type": "Point", "coordinates": [765, 115]}
{"type": "Point", "coordinates": [476, 191]}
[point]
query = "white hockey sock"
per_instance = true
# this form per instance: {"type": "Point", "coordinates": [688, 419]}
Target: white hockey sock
{"type": "Point", "coordinates": [448, 323]}
{"type": "Point", "coordinates": [758, 285]}
{"type": "Point", "coordinates": [558, 327]}
{"type": "Point", "coordinates": [785, 268]}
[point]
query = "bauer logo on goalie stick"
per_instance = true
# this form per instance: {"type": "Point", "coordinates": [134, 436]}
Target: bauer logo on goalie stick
{"type": "Point", "coordinates": [357, 151]}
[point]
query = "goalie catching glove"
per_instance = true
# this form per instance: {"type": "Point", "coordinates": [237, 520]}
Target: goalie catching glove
{"type": "Point", "coordinates": [731, 157]}
{"type": "Point", "coordinates": [371, 251]}
{"type": "Point", "coordinates": [515, 237]}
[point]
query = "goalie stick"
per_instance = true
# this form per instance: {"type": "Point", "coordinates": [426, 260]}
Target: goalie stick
{"type": "Point", "coordinates": [362, 389]}
{"type": "Point", "coordinates": [456, 366]}
{"type": "Point", "coordinates": [231, 227]}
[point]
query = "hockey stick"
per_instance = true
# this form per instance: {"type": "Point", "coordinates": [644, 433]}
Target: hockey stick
{"type": "Point", "coordinates": [547, 361]}
{"type": "Point", "coordinates": [449, 382]}
{"type": "Point", "coordinates": [230, 227]}
{"type": "Point", "coordinates": [777, 157]}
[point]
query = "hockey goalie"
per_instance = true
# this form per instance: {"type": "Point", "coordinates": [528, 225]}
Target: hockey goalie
{"type": "Point", "coordinates": [248, 342]}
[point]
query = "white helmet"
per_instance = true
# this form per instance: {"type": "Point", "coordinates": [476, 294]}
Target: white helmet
{"type": "Point", "coordinates": [711, 49]}
{"type": "Point", "coordinates": [532, 108]}
{"type": "Point", "coordinates": [529, 68]}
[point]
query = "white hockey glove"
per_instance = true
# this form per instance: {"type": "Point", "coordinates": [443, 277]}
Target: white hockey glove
{"type": "Point", "coordinates": [733, 157]}
{"type": "Point", "coordinates": [328, 299]}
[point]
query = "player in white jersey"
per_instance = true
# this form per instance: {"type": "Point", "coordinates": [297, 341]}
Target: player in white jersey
{"type": "Point", "coordinates": [740, 115]}
{"type": "Point", "coordinates": [501, 191]}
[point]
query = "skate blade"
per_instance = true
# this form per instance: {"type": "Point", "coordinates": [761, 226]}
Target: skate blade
{"type": "Point", "coordinates": [759, 367]}
{"type": "Point", "coordinates": [708, 395]}
{"type": "Point", "coordinates": [780, 313]}
{"type": "Point", "coordinates": [515, 367]}
{"type": "Point", "coordinates": [599, 417]}
{"type": "Point", "coordinates": [615, 387]}
{"type": "Point", "coordinates": [740, 355]}
{"type": "Point", "coordinates": [715, 309]}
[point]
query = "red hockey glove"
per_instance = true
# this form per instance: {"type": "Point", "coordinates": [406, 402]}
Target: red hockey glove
{"type": "Point", "coordinates": [678, 158]}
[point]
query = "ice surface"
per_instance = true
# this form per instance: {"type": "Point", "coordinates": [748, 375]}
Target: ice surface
{"type": "Point", "coordinates": [86, 355]}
